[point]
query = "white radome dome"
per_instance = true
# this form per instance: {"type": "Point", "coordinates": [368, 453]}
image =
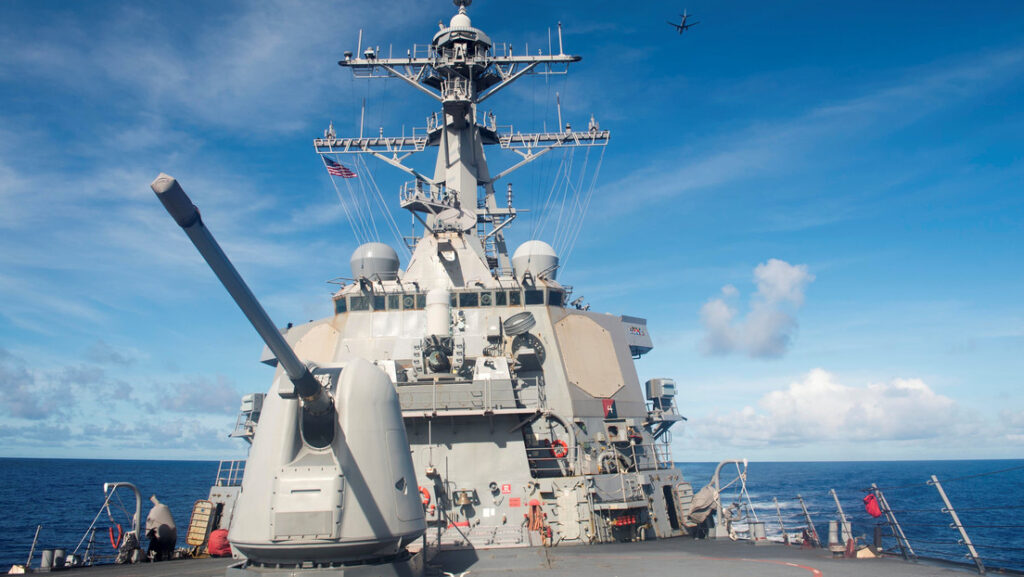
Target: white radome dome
{"type": "Point", "coordinates": [536, 257]}
{"type": "Point", "coordinates": [375, 261]}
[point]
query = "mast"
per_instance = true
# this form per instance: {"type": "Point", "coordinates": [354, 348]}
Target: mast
{"type": "Point", "coordinates": [460, 69]}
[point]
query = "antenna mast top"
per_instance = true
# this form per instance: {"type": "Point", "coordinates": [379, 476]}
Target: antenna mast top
{"type": "Point", "coordinates": [460, 69]}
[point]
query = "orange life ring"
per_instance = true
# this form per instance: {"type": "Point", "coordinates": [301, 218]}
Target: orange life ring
{"type": "Point", "coordinates": [557, 452]}
{"type": "Point", "coordinates": [115, 542]}
{"type": "Point", "coordinates": [424, 495]}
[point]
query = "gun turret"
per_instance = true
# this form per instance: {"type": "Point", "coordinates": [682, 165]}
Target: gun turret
{"type": "Point", "coordinates": [316, 401]}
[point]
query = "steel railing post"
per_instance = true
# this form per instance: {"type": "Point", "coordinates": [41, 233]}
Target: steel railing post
{"type": "Point", "coordinates": [810, 524]}
{"type": "Point", "coordinates": [847, 534]}
{"type": "Point", "coordinates": [957, 525]}
{"type": "Point", "coordinates": [897, 531]}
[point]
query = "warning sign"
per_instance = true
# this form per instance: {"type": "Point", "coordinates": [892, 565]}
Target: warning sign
{"type": "Point", "coordinates": [515, 502]}
{"type": "Point", "coordinates": [506, 489]}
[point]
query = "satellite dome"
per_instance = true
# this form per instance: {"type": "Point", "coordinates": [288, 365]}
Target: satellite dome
{"type": "Point", "coordinates": [375, 261]}
{"type": "Point", "coordinates": [536, 257]}
{"type": "Point", "coordinates": [460, 20]}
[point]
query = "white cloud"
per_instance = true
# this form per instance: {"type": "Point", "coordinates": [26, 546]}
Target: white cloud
{"type": "Point", "coordinates": [819, 408]}
{"type": "Point", "coordinates": [23, 395]}
{"type": "Point", "coordinates": [770, 324]}
{"type": "Point", "coordinates": [86, 410]}
{"type": "Point", "coordinates": [779, 281]}
{"type": "Point", "coordinates": [250, 66]}
{"type": "Point", "coordinates": [198, 396]}
{"type": "Point", "coordinates": [103, 353]}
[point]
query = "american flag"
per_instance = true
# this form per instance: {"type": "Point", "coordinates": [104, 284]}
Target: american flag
{"type": "Point", "coordinates": [336, 169]}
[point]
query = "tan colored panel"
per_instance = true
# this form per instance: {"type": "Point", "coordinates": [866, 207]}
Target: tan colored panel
{"type": "Point", "coordinates": [589, 356]}
{"type": "Point", "coordinates": [318, 344]}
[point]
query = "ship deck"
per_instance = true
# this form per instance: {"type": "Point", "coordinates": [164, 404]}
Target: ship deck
{"type": "Point", "coordinates": [665, 558]}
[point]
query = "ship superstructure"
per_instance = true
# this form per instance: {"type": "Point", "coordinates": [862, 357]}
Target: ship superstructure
{"type": "Point", "coordinates": [524, 413]}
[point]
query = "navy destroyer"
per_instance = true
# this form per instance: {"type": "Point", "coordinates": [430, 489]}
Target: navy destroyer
{"type": "Point", "coordinates": [453, 414]}
{"type": "Point", "coordinates": [523, 414]}
{"type": "Point", "coordinates": [524, 420]}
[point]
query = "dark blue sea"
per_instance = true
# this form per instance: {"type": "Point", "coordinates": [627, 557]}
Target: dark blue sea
{"type": "Point", "coordinates": [988, 496]}
{"type": "Point", "coordinates": [65, 495]}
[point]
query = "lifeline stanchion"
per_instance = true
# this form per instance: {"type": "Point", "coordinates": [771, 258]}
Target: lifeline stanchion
{"type": "Point", "coordinates": [782, 526]}
{"type": "Point", "coordinates": [972, 553]}
{"type": "Point", "coordinates": [897, 531]}
{"type": "Point", "coordinates": [844, 526]}
{"type": "Point", "coordinates": [810, 524]}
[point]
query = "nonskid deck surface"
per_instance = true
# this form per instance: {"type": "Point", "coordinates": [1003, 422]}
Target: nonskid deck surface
{"type": "Point", "coordinates": [209, 567]}
{"type": "Point", "coordinates": [666, 558]}
{"type": "Point", "coordinates": [670, 558]}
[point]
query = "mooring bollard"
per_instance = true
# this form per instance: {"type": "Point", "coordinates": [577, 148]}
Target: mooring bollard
{"type": "Point", "coordinates": [46, 560]}
{"type": "Point", "coordinates": [757, 533]}
{"type": "Point", "coordinates": [834, 544]}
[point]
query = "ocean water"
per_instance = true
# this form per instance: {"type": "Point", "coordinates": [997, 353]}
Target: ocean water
{"type": "Point", "coordinates": [988, 496]}
{"type": "Point", "coordinates": [64, 495]}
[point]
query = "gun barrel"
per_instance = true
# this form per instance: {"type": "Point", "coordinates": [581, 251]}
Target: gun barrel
{"type": "Point", "coordinates": [180, 207]}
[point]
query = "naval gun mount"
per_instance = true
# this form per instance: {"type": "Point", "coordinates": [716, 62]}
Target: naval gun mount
{"type": "Point", "coordinates": [329, 486]}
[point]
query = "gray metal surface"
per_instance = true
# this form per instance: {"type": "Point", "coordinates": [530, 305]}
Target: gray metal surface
{"type": "Point", "coordinates": [526, 419]}
{"type": "Point", "coordinates": [666, 558]}
{"type": "Point", "coordinates": [329, 478]}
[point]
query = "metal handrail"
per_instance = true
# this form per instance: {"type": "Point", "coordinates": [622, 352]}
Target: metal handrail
{"type": "Point", "coordinates": [230, 473]}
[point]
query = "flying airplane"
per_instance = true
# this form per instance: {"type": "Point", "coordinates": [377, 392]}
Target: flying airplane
{"type": "Point", "coordinates": [683, 26]}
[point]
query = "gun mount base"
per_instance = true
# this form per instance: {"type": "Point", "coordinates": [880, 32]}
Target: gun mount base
{"type": "Point", "coordinates": [403, 565]}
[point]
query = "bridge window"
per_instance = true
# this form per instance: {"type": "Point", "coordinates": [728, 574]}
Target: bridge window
{"type": "Point", "coordinates": [500, 298]}
{"type": "Point", "coordinates": [486, 299]}
{"type": "Point", "coordinates": [515, 298]}
{"type": "Point", "coordinates": [534, 297]}
{"type": "Point", "coordinates": [394, 302]}
{"type": "Point", "coordinates": [358, 303]}
{"type": "Point", "coordinates": [469, 299]}
{"type": "Point", "coordinates": [556, 298]}
{"type": "Point", "coordinates": [378, 302]}
{"type": "Point", "coordinates": [339, 306]}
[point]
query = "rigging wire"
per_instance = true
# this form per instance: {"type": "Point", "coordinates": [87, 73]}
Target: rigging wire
{"type": "Point", "coordinates": [564, 222]}
{"type": "Point", "coordinates": [388, 217]}
{"type": "Point", "coordinates": [586, 207]}
{"type": "Point", "coordinates": [365, 198]}
{"type": "Point", "coordinates": [542, 221]}
{"type": "Point", "coordinates": [353, 225]}
{"type": "Point", "coordinates": [564, 194]}
{"type": "Point", "coordinates": [565, 187]}
{"type": "Point", "coordinates": [926, 483]}
{"type": "Point", "coordinates": [351, 206]}
{"type": "Point", "coordinates": [575, 219]}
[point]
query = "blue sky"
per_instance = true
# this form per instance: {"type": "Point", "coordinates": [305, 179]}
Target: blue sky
{"type": "Point", "coordinates": [818, 208]}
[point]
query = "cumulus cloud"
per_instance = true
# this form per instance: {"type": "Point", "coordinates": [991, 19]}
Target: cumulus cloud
{"type": "Point", "coordinates": [24, 395]}
{"type": "Point", "coordinates": [73, 408]}
{"type": "Point", "coordinates": [173, 436]}
{"type": "Point", "coordinates": [36, 434]}
{"type": "Point", "coordinates": [1013, 425]}
{"type": "Point", "coordinates": [197, 396]}
{"type": "Point", "coordinates": [103, 353]}
{"type": "Point", "coordinates": [769, 326]}
{"type": "Point", "coordinates": [160, 433]}
{"type": "Point", "coordinates": [820, 408]}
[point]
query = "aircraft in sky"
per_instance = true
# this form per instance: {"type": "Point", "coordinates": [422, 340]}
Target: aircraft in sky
{"type": "Point", "coordinates": [683, 26]}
